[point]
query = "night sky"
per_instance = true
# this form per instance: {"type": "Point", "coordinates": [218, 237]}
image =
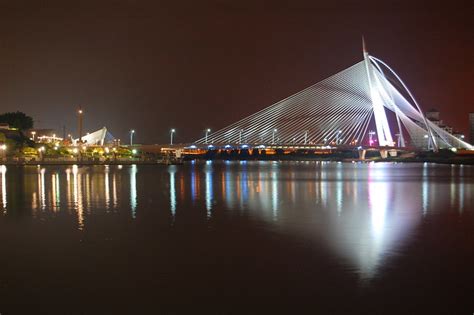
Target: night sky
{"type": "Point", "coordinates": [152, 65]}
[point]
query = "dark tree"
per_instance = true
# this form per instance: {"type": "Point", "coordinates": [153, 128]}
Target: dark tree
{"type": "Point", "coordinates": [17, 120]}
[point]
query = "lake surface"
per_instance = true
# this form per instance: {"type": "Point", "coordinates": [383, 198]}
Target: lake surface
{"type": "Point", "coordinates": [237, 238]}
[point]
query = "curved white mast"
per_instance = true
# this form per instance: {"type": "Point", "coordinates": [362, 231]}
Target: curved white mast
{"type": "Point", "coordinates": [430, 132]}
{"type": "Point", "coordinates": [381, 123]}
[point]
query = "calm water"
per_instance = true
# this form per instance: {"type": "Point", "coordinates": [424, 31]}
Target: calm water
{"type": "Point", "coordinates": [237, 238]}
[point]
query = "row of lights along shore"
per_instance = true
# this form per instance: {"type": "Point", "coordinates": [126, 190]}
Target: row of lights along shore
{"type": "Point", "coordinates": [207, 131]}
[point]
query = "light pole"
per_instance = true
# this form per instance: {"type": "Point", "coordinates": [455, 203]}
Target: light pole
{"type": "Point", "coordinates": [80, 115]}
{"type": "Point", "coordinates": [371, 135]}
{"type": "Point", "coordinates": [3, 148]}
{"type": "Point", "coordinates": [207, 133]}
{"type": "Point", "coordinates": [338, 137]}
{"type": "Point", "coordinates": [273, 135]}
{"type": "Point", "coordinates": [41, 152]}
{"type": "Point", "coordinates": [428, 142]}
{"type": "Point", "coordinates": [172, 131]}
{"type": "Point", "coordinates": [132, 132]}
{"type": "Point", "coordinates": [240, 136]}
{"type": "Point", "coordinates": [33, 133]}
{"type": "Point", "coordinates": [399, 139]}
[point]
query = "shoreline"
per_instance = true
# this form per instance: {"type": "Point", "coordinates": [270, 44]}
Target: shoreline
{"type": "Point", "coordinates": [455, 161]}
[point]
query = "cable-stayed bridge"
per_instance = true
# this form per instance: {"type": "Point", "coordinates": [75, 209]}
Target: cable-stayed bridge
{"type": "Point", "coordinates": [342, 110]}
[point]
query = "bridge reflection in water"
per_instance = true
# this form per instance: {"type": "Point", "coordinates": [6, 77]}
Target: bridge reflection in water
{"type": "Point", "coordinates": [360, 212]}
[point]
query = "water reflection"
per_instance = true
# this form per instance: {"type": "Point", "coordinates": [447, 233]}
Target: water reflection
{"type": "Point", "coordinates": [209, 188]}
{"type": "Point", "coordinates": [3, 171]}
{"type": "Point", "coordinates": [107, 187]}
{"type": "Point", "coordinates": [77, 195]}
{"type": "Point", "coordinates": [56, 199]}
{"type": "Point", "coordinates": [172, 172]}
{"type": "Point", "coordinates": [133, 189]}
{"type": "Point", "coordinates": [41, 188]}
{"type": "Point", "coordinates": [274, 194]}
{"type": "Point", "coordinates": [360, 212]}
{"type": "Point", "coordinates": [425, 193]}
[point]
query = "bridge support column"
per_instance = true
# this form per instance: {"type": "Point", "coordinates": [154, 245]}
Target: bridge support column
{"type": "Point", "coordinates": [362, 154]}
{"type": "Point", "coordinates": [393, 153]}
{"type": "Point", "coordinates": [384, 154]}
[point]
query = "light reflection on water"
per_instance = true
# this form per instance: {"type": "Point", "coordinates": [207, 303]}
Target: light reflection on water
{"type": "Point", "coordinates": [3, 170]}
{"type": "Point", "coordinates": [133, 190]}
{"type": "Point", "coordinates": [364, 213]}
{"type": "Point", "coordinates": [209, 188]}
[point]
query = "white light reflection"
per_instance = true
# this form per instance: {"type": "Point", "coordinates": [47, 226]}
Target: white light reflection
{"type": "Point", "coordinates": [68, 183]}
{"type": "Point", "coordinates": [461, 188]}
{"type": "Point", "coordinates": [172, 172]}
{"type": "Point", "coordinates": [229, 191]}
{"type": "Point", "coordinates": [369, 229]}
{"type": "Point", "coordinates": [209, 197]}
{"type": "Point", "coordinates": [3, 170]}
{"type": "Point", "coordinates": [107, 187]}
{"type": "Point", "coordinates": [133, 189]}
{"type": "Point", "coordinates": [193, 183]}
{"type": "Point", "coordinates": [275, 193]}
{"type": "Point", "coordinates": [88, 191]}
{"type": "Point", "coordinates": [339, 187]}
{"type": "Point", "coordinates": [323, 183]}
{"type": "Point", "coordinates": [55, 191]}
{"type": "Point", "coordinates": [77, 194]}
{"type": "Point", "coordinates": [452, 187]}
{"type": "Point", "coordinates": [114, 191]}
{"type": "Point", "coordinates": [425, 188]}
{"type": "Point", "coordinates": [244, 184]}
{"type": "Point", "coordinates": [41, 188]}
{"type": "Point", "coordinates": [378, 198]}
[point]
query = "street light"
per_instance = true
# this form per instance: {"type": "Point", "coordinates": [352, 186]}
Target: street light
{"type": "Point", "coordinates": [371, 134]}
{"type": "Point", "coordinates": [3, 148]}
{"type": "Point", "coordinates": [172, 131]}
{"type": "Point", "coordinates": [132, 132]}
{"type": "Point", "coordinates": [207, 133]}
{"type": "Point", "coordinates": [80, 112]}
{"type": "Point", "coordinates": [338, 137]}
{"type": "Point", "coordinates": [273, 135]}
{"type": "Point", "coordinates": [399, 139]}
{"type": "Point", "coordinates": [33, 133]}
{"type": "Point", "coordinates": [428, 142]}
{"type": "Point", "coordinates": [41, 152]}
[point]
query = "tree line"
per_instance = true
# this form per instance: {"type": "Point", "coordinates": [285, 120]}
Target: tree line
{"type": "Point", "coordinates": [17, 120]}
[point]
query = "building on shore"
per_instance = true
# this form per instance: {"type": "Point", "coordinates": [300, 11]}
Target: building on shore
{"type": "Point", "coordinates": [99, 137]}
{"type": "Point", "coordinates": [433, 116]}
{"type": "Point", "coordinates": [36, 134]}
